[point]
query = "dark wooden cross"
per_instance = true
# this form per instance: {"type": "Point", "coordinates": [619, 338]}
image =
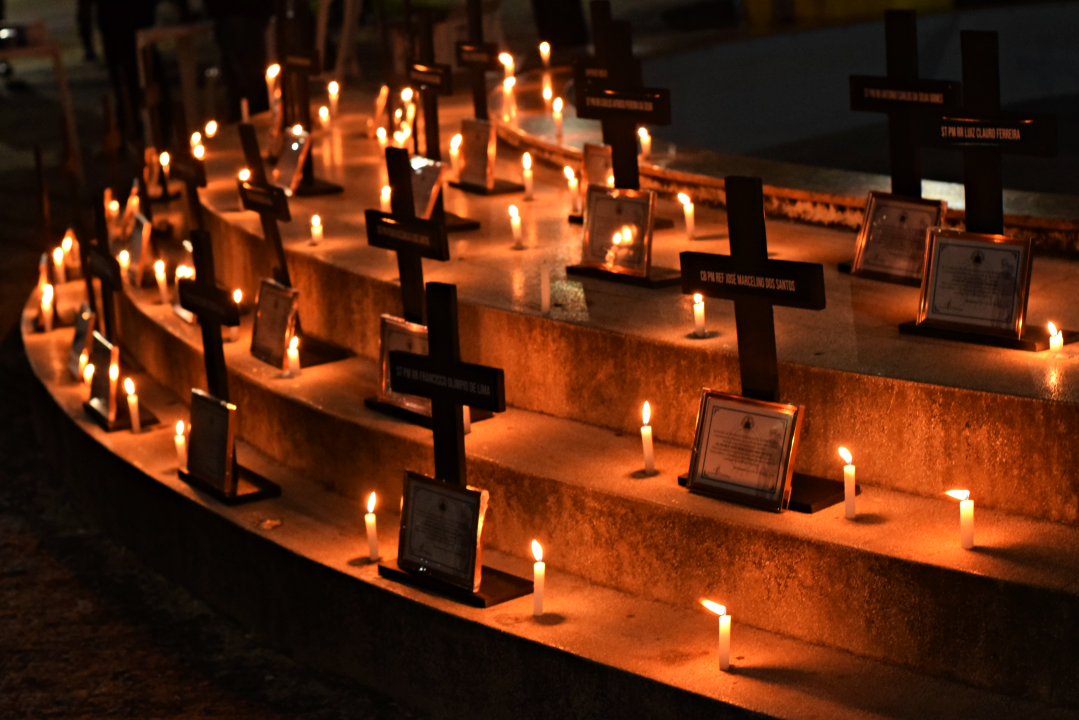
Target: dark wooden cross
{"type": "Point", "coordinates": [449, 383]}
{"type": "Point", "coordinates": [901, 95]}
{"type": "Point", "coordinates": [269, 201]}
{"type": "Point", "coordinates": [192, 173]}
{"type": "Point", "coordinates": [433, 80]}
{"type": "Point", "coordinates": [412, 238]}
{"type": "Point", "coordinates": [214, 307]}
{"type": "Point", "coordinates": [983, 132]}
{"type": "Point", "coordinates": [478, 57]}
{"type": "Point", "coordinates": [755, 284]}
{"type": "Point", "coordinates": [152, 99]}
{"type": "Point", "coordinates": [103, 266]}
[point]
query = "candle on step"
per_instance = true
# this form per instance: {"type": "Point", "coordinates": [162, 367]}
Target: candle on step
{"type": "Point", "coordinates": [316, 230]}
{"type": "Point", "coordinates": [526, 172]}
{"type": "Point", "coordinates": [698, 316]}
{"type": "Point", "coordinates": [199, 152]}
{"type": "Point", "coordinates": [515, 223]}
{"type": "Point", "coordinates": [547, 94]}
{"type": "Point", "coordinates": [88, 374]}
{"type": "Point", "coordinates": [196, 138]}
{"type": "Point", "coordinates": [545, 54]}
{"type": "Point", "coordinates": [162, 281]}
{"type": "Point", "coordinates": [539, 577]}
{"type": "Point", "coordinates": [59, 270]}
{"type": "Point", "coordinates": [372, 529]}
{"type": "Point", "coordinates": [545, 289]}
{"type": "Point", "coordinates": [324, 116]}
{"type": "Point", "coordinates": [385, 199]}
{"type": "Point", "coordinates": [211, 128]}
{"type": "Point", "coordinates": [84, 359]}
{"type": "Point", "coordinates": [181, 273]}
{"type": "Point", "coordinates": [1056, 338]}
{"type": "Point", "coordinates": [271, 82]}
{"type": "Point", "coordinates": [165, 159]}
{"type": "Point", "coordinates": [646, 142]}
{"type": "Point", "coordinates": [114, 380]}
{"type": "Point", "coordinates": [181, 446]}
{"type": "Point", "coordinates": [293, 367]}
{"type": "Point", "coordinates": [46, 307]}
{"type": "Point", "coordinates": [133, 405]}
{"type": "Point", "coordinates": [124, 258]}
{"type": "Point", "coordinates": [556, 113]}
{"type": "Point", "coordinates": [966, 518]}
{"type": "Point", "coordinates": [334, 90]}
{"type": "Point", "coordinates": [646, 439]}
{"type": "Point", "coordinates": [114, 209]}
{"type": "Point", "coordinates": [455, 154]}
{"type": "Point", "coordinates": [724, 632]}
{"type": "Point", "coordinates": [383, 141]}
{"type": "Point", "coordinates": [507, 63]}
{"type": "Point", "coordinates": [849, 492]}
{"type": "Point", "coordinates": [572, 183]}
{"type": "Point", "coordinates": [237, 297]}
{"type": "Point", "coordinates": [691, 221]}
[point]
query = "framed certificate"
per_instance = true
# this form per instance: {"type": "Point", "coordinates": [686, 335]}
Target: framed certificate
{"type": "Point", "coordinates": [275, 319]}
{"type": "Point", "coordinates": [212, 442]}
{"type": "Point", "coordinates": [441, 528]}
{"type": "Point", "coordinates": [618, 230]}
{"type": "Point", "coordinates": [975, 283]}
{"type": "Point", "coordinates": [399, 334]}
{"type": "Point", "coordinates": [891, 242]}
{"type": "Point", "coordinates": [289, 169]}
{"type": "Point", "coordinates": [744, 449]}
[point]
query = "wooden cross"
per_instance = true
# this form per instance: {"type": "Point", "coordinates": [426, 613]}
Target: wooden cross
{"type": "Point", "coordinates": [191, 171]}
{"type": "Point", "coordinates": [983, 132]}
{"type": "Point", "coordinates": [103, 266]}
{"type": "Point", "coordinates": [214, 307]}
{"type": "Point", "coordinates": [269, 201]}
{"type": "Point", "coordinates": [412, 238]}
{"type": "Point", "coordinates": [448, 382]}
{"type": "Point", "coordinates": [478, 57]}
{"type": "Point", "coordinates": [755, 284]}
{"type": "Point", "coordinates": [433, 80]}
{"type": "Point", "coordinates": [901, 94]}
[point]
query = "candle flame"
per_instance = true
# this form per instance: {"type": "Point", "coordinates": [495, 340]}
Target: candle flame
{"type": "Point", "coordinates": [114, 371]}
{"type": "Point", "coordinates": [114, 206]}
{"type": "Point", "coordinates": [684, 199]}
{"type": "Point", "coordinates": [165, 159]}
{"type": "Point", "coordinates": [294, 343]}
{"type": "Point", "coordinates": [244, 175]}
{"type": "Point", "coordinates": [959, 495]}
{"type": "Point", "coordinates": [526, 161]}
{"type": "Point", "coordinates": [381, 133]}
{"type": "Point", "coordinates": [297, 129]}
{"type": "Point", "coordinates": [129, 386]}
{"type": "Point", "coordinates": [714, 607]}
{"type": "Point", "coordinates": [211, 128]}
{"type": "Point", "coordinates": [47, 294]}
{"type": "Point", "coordinates": [324, 112]}
{"type": "Point", "coordinates": [406, 94]}
{"type": "Point", "coordinates": [386, 192]}
{"type": "Point", "coordinates": [558, 105]}
{"type": "Point", "coordinates": [315, 221]}
{"type": "Point", "coordinates": [1053, 330]}
{"type": "Point", "coordinates": [58, 255]}
{"type": "Point", "coordinates": [180, 427]}
{"type": "Point", "coordinates": [237, 295]}
{"type": "Point", "coordinates": [537, 551]}
{"type": "Point", "coordinates": [505, 58]}
{"type": "Point", "coordinates": [569, 172]}
{"type": "Point", "coordinates": [333, 87]}
{"type": "Point", "coordinates": [509, 82]}
{"type": "Point", "coordinates": [513, 211]}
{"type": "Point", "coordinates": [547, 94]}
{"type": "Point", "coordinates": [642, 132]}
{"type": "Point", "coordinates": [196, 138]}
{"type": "Point", "coordinates": [124, 257]}
{"type": "Point", "coordinates": [697, 298]}
{"type": "Point", "coordinates": [371, 503]}
{"type": "Point", "coordinates": [199, 151]}
{"type": "Point", "coordinates": [845, 454]}
{"type": "Point", "coordinates": [455, 141]}
{"type": "Point", "coordinates": [273, 71]}
{"type": "Point", "coordinates": [159, 267]}
{"type": "Point", "coordinates": [88, 373]}
{"type": "Point", "coordinates": [646, 413]}
{"type": "Point", "coordinates": [66, 242]}
{"type": "Point", "coordinates": [545, 47]}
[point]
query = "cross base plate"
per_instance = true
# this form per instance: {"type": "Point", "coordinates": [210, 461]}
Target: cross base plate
{"type": "Point", "coordinates": [99, 414]}
{"type": "Point", "coordinates": [319, 352]}
{"type": "Point", "coordinates": [250, 487]}
{"type": "Point", "coordinates": [1034, 339]}
{"type": "Point", "coordinates": [809, 493]}
{"type": "Point", "coordinates": [496, 587]}
{"type": "Point", "coordinates": [502, 187]}
{"type": "Point", "coordinates": [317, 186]}
{"type": "Point", "coordinates": [658, 277]}
{"type": "Point", "coordinates": [373, 403]}
{"type": "Point", "coordinates": [456, 223]}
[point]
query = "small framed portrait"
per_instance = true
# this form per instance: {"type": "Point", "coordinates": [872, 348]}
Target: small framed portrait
{"type": "Point", "coordinates": [744, 449]}
{"type": "Point", "coordinates": [618, 230]}
{"type": "Point", "coordinates": [479, 145]}
{"type": "Point", "coordinates": [139, 250]}
{"type": "Point", "coordinates": [427, 178]}
{"type": "Point", "coordinates": [289, 169]}
{"type": "Point", "coordinates": [275, 319]}
{"type": "Point", "coordinates": [891, 242]}
{"type": "Point", "coordinates": [441, 531]}
{"type": "Point", "coordinates": [82, 340]}
{"type": "Point", "coordinates": [975, 283]}
{"type": "Point", "coordinates": [400, 334]}
{"type": "Point", "coordinates": [212, 442]}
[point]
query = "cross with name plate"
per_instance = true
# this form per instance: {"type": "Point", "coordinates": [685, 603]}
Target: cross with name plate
{"type": "Point", "coordinates": [269, 201]}
{"type": "Point", "coordinates": [448, 382]}
{"type": "Point", "coordinates": [479, 57]}
{"type": "Point", "coordinates": [755, 284]}
{"type": "Point", "coordinates": [103, 266]}
{"type": "Point", "coordinates": [433, 79]}
{"type": "Point", "coordinates": [214, 307]}
{"type": "Point", "coordinates": [191, 171]}
{"type": "Point", "coordinates": [901, 94]}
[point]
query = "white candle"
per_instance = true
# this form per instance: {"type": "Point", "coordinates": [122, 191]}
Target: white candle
{"type": "Point", "coordinates": [88, 374]}
{"type": "Point", "coordinates": [724, 632]}
{"type": "Point", "coordinates": [234, 332]}
{"type": "Point", "coordinates": [334, 91]}
{"type": "Point", "coordinates": [545, 289]}
{"type": "Point", "coordinates": [84, 359]}
{"type": "Point", "coordinates": [114, 380]}
{"type": "Point", "coordinates": [383, 141]}
{"type": "Point", "coordinates": [646, 440]}
{"type": "Point", "coordinates": [271, 82]}
{"type": "Point", "coordinates": [58, 266]}
{"type": "Point", "coordinates": [133, 406]}
{"type": "Point", "coordinates": [46, 307]}
{"type": "Point", "coordinates": [515, 223]}
{"type": "Point", "coordinates": [67, 244]}
{"type": "Point", "coordinates": [698, 316]}
{"type": "Point", "coordinates": [181, 446]}
{"type": "Point", "coordinates": [245, 111]}
{"type": "Point", "coordinates": [539, 577]}
{"type": "Point", "coordinates": [124, 258]}
{"type": "Point", "coordinates": [507, 64]}
{"type": "Point", "coordinates": [573, 184]}
{"type": "Point", "coordinates": [966, 518]}
{"type": "Point", "coordinates": [211, 128]}
{"type": "Point", "coordinates": [545, 54]}
{"type": "Point", "coordinates": [196, 138]}
{"type": "Point", "coordinates": [293, 368]}
{"type": "Point", "coordinates": [316, 230]}
{"type": "Point", "coordinates": [849, 491]}
{"type": "Point", "coordinates": [557, 114]}
{"type": "Point", "coordinates": [526, 173]}
{"type": "Point", "coordinates": [466, 418]}
{"type": "Point", "coordinates": [547, 94]}
{"type": "Point", "coordinates": [199, 152]}
{"type": "Point", "coordinates": [165, 159]}
{"type": "Point", "coordinates": [509, 100]}
{"type": "Point", "coordinates": [455, 155]}
{"type": "Point", "coordinates": [112, 207]}
{"type": "Point", "coordinates": [385, 199]}
{"type": "Point", "coordinates": [162, 281]}
{"type": "Point", "coordinates": [372, 529]}
{"type": "Point", "coordinates": [687, 207]}
{"type": "Point", "coordinates": [324, 116]}
{"type": "Point", "coordinates": [1056, 338]}
{"type": "Point", "coordinates": [646, 142]}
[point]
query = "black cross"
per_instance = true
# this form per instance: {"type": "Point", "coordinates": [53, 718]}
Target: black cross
{"type": "Point", "coordinates": [152, 99]}
{"type": "Point", "coordinates": [269, 201]}
{"type": "Point", "coordinates": [214, 307]}
{"type": "Point", "coordinates": [433, 80]}
{"type": "Point", "coordinates": [191, 171]}
{"type": "Point", "coordinates": [412, 238]}
{"type": "Point", "coordinates": [103, 266]}
{"type": "Point", "coordinates": [984, 132]}
{"type": "Point", "coordinates": [448, 382]}
{"type": "Point", "coordinates": [901, 94]}
{"type": "Point", "coordinates": [478, 57]}
{"type": "Point", "coordinates": [755, 283]}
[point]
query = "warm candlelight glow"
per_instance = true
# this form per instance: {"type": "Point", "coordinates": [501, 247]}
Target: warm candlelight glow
{"type": "Point", "coordinates": [959, 495]}
{"type": "Point", "coordinates": [558, 105]}
{"type": "Point", "coordinates": [114, 207]}
{"type": "Point", "coordinates": [297, 129]}
{"type": "Point", "coordinates": [455, 141]}
{"type": "Point", "coordinates": [537, 551]}
{"type": "Point", "coordinates": [58, 255]}
{"type": "Point", "coordinates": [513, 211]}
{"type": "Point", "coordinates": [324, 113]}
{"type": "Point", "coordinates": [371, 503]}
{"type": "Point", "coordinates": [196, 138]}
{"type": "Point", "coordinates": [406, 94]}
{"type": "Point", "coordinates": [294, 343]}
{"type": "Point", "coordinates": [334, 88]}
{"type": "Point", "coordinates": [129, 386]}
{"type": "Point", "coordinates": [697, 298]}
{"type": "Point", "coordinates": [199, 152]}
{"type": "Point", "coordinates": [386, 192]}
{"type": "Point", "coordinates": [714, 607]}
{"type": "Point", "coordinates": [547, 94]}
{"type": "Point", "coordinates": [273, 71]}
{"type": "Point", "coordinates": [1053, 329]}
{"type": "Point", "coordinates": [642, 132]}
{"type": "Point", "coordinates": [684, 199]}
{"type": "Point", "coordinates": [159, 267]}
{"type": "Point", "coordinates": [381, 134]}
{"type": "Point", "coordinates": [545, 48]}
{"type": "Point", "coordinates": [845, 454]}
{"type": "Point", "coordinates": [244, 175]}
{"type": "Point", "coordinates": [47, 295]}
{"type": "Point", "coordinates": [124, 258]}
{"type": "Point", "coordinates": [180, 427]}
{"type": "Point", "coordinates": [315, 221]}
{"type": "Point", "coordinates": [88, 373]}
{"type": "Point", "coordinates": [66, 244]}
{"type": "Point", "coordinates": [114, 372]}
{"type": "Point", "coordinates": [211, 128]}
{"type": "Point", "coordinates": [646, 413]}
{"type": "Point", "coordinates": [165, 160]}
{"type": "Point", "coordinates": [506, 59]}
{"type": "Point", "coordinates": [237, 295]}
{"type": "Point", "coordinates": [569, 172]}
{"type": "Point", "coordinates": [526, 161]}
{"type": "Point", "coordinates": [509, 82]}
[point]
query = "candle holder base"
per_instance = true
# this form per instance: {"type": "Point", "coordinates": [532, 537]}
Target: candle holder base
{"type": "Point", "coordinates": [809, 493]}
{"type": "Point", "coordinates": [1034, 339]}
{"type": "Point", "coordinates": [416, 418]}
{"type": "Point", "coordinates": [456, 223]}
{"type": "Point", "coordinates": [99, 413]}
{"type": "Point", "coordinates": [250, 487]}
{"type": "Point", "coordinates": [496, 586]}
{"type": "Point", "coordinates": [501, 187]}
{"type": "Point", "coordinates": [658, 277]}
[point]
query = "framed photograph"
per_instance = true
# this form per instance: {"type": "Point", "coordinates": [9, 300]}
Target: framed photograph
{"type": "Point", "coordinates": [138, 250]}
{"type": "Point", "coordinates": [275, 320]}
{"type": "Point", "coordinates": [891, 242]}
{"type": "Point", "coordinates": [211, 443]}
{"type": "Point", "coordinates": [441, 531]}
{"type": "Point", "coordinates": [975, 282]}
{"type": "Point", "coordinates": [479, 146]}
{"type": "Point", "coordinates": [103, 390]}
{"type": "Point", "coordinates": [426, 185]}
{"type": "Point", "coordinates": [744, 449]}
{"type": "Point", "coordinates": [618, 230]}
{"type": "Point", "coordinates": [400, 334]}
{"type": "Point", "coordinates": [81, 343]}
{"type": "Point", "coordinates": [289, 169]}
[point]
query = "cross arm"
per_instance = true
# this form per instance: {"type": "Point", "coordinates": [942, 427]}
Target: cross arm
{"type": "Point", "coordinates": [413, 235]}
{"type": "Point", "coordinates": [781, 282]}
{"type": "Point", "coordinates": [211, 304]}
{"type": "Point", "coordinates": [461, 383]}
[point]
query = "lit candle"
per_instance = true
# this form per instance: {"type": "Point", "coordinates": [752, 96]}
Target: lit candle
{"type": "Point", "coordinates": [199, 152]}
{"type": "Point", "coordinates": [334, 91]}
{"type": "Point", "coordinates": [372, 530]}
{"type": "Point", "coordinates": [316, 230]}
{"type": "Point", "coordinates": [165, 160]}
{"type": "Point", "coordinates": [324, 116]}
{"type": "Point", "coordinates": [245, 111]}
{"type": "Point", "coordinates": [509, 100]}
{"type": "Point", "coordinates": [181, 446]}
{"type": "Point", "coordinates": [211, 128]}
{"type": "Point", "coordinates": [271, 82]}
{"type": "Point", "coordinates": [547, 94]}
{"type": "Point", "coordinates": [84, 359]}
{"type": "Point", "coordinates": [507, 63]}
{"type": "Point", "coordinates": [46, 307]}
{"type": "Point", "coordinates": [383, 141]}
{"type": "Point", "coordinates": [646, 440]}
{"type": "Point", "coordinates": [124, 258]}
{"type": "Point", "coordinates": [162, 281]}
{"type": "Point", "coordinates": [646, 142]}
{"type": "Point", "coordinates": [88, 374]}
{"type": "Point", "coordinates": [234, 332]}
{"type": "Point", "coordinates": [539, 576]}
{"type": "Point", "coordinates": [196, 138]}
{"type": "Point", "coordinates": [571, 179]}
{"type": "Point", "coordinates": [724, 632]}
{"type": "Point", "coordinates": [698, 316]}
{"type": "Point", "coordinates": [966, 518]}
{"type": "Point", "coordinates": [526, 163]}
{"type": "Point", "coordinates": [114, 380]}
{"type": "Point", "coordinates": [58, 266]}
{"type": "Point", "coordinates": [557, 114]}
{"type": "Point", "coordinates": [293, 368]}
{"type": "Point", "coordinates": [133, 405]}
{"type": "Point", "coordinates": [67, 244]}
{"type": "Point", "coordinates": [545, 289]}
{"type": "Point", "coordinates": [384, 199]}
{"type": "Point", "coordinates": [244, 175]}
{"type": "Point", "coordinates": [181, 272]}
{"type": "Point", "coordinates": [455, 154]}
{"type": "Point", "coordinates": [1056, 338]}
{"type": "Point", "coordinates": [113, 209]}
{"type": "Point", "coordinates": [545, 54]}
{"type": "Point", "coordinates": [691, 223]}
{"type": "Point", "coordinates": [848, 484]}
{"type": "Point", "coordinates": [515, 223]}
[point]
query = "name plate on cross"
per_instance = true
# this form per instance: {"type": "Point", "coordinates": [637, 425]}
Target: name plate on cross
{"type": "Point", "coordinates": [790, 284]}
{"type": "Point", "coordinates": [460, 383]}
{"type": "Point", "coordinates": [422, 237]}
{"type": "Point", "coordinates": [1013, 132]}
{"type": "Point", "coordinates": [188, 170]}
{"type": "Point", "coordinates": [432, 76]}
{"type": "Point", "coordinates": [646, 106]}
{"type": "Point", "coordinates": [482, 55]}
{"type": "Point", "coordinates": [268, 200]}
{"type": "Point", "coordinates": [884, 94]}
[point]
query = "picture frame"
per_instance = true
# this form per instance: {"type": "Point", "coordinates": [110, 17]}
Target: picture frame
{"type": "Point", "coordinates": [891, 241]}
{"type": "Point", "coordinates": [479, 147]}
{"type": "Point", "coordinates": [82, 340]}
{"type": "Point", "coordinates": [400, 334]}
{"type": "Point", "coordinates": [275, 322]}
{"type": "Point", "coordinates": [288, 171]}
{"type": "Point", "coordinates": [103, 392]}
{"type": "Point", "coordinates": [211, 454]}
{"type": "Point", "coordinates": [139, 250]}
{"type": "Point", "coordinates": [609, 212]}
{"type": "Point", "coordinates": [744, 449]}
{"type": "Point", "coordinates": [597, 167]}
{"type": "Point", "coordinates": [433, 509]}
{"type": "Point", "coordinates": [427, 177]}
{"type": "Point", "coordinates": [974, 282]}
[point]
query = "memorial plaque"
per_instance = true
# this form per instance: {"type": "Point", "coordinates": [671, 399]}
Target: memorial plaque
{"type": "Point", "coordinates": [401, 335]}
{"type": "Point", "coordinates": [618, 231]}
{"type": "Point", "coordinates": [265, 200]}
{"type": "Point", "coordinates": [104, 354]}
{"type": "Point", "coordinates": [432, 75]}
{"type": "Point", "coordinates": [211, 443]}
{"type": "Point", "coordinates": [744, 449]}
{"type": "Point", "coordinates": [887, 94]}
{"type": "Point", "coordinates": [891, 242]}
{"type": "Point", "coordinates": [478, 55]}
{"type": "Point", "coordinates": [457, 383]}
{"type": "Point", "coordinates": [138, 250]}
{"type": "Point", "coordinates": [84, 329]}
{"type": "Point", "coordinates": [1021, 134]}
{"type": "Point", "coordinates": [975, 282]}
{"type": "Point", "coordinates": [441, 526]}
{"type": "Point", "coordinates": [643, 106]}
{"type": "Point", "coordinates": [275, 321]}
{"type": "Point", "coordinates": [288, 172]}
{"type": "Point", "coordinates": [479, 146]}
{"type": "Point", "coordinates": [427, 176]}
{"type": "Point", "coordinates": [421, 237]}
